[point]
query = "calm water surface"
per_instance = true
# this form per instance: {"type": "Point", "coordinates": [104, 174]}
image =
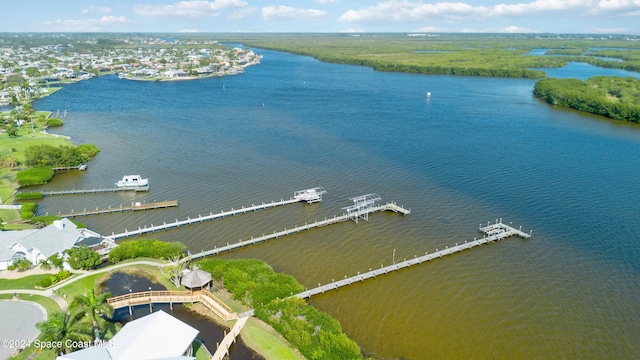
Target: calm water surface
{"type": "Point", "coordinates": [477, 150]}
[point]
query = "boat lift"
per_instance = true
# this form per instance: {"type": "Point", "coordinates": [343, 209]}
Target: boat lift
{"type": "Point", "coordinates": [362, 206]}
{"type": "Point", "coordinates": [310, 195]}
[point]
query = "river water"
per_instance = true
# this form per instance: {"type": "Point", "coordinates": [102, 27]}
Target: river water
{"type": "Point", "coordinates": [478, 149]}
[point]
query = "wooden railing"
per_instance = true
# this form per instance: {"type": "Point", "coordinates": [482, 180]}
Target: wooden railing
{"type": "Point", "coordinates": [203, 296]}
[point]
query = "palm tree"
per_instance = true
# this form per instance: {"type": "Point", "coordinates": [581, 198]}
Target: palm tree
{"type": "Point", "coordinates": [94, 307]}
{"type": "Point", "coordinates": [63, 329]}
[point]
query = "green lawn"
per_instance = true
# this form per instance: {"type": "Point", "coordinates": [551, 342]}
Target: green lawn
{"type": "Point", "coordinates": [267, 342]}
{"type": "Point", "coordinates": [28, 282]}
{"type": "Point", "coordinates": [48, 304]}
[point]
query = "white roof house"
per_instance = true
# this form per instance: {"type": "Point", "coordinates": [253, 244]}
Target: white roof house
{"type": "Point", "coordinates": [39, 244]}
{"type": "Point", "coordinates": [157, 336]}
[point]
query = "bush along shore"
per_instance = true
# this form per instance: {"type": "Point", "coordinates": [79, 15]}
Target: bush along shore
{"type": "Point", "coordinates": [253, 282]}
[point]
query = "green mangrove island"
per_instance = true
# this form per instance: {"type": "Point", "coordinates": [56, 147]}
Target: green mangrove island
{"type": "Point", "coordinates": [494, 55]}
{"type": "Point", "coordinates": [614, 97]}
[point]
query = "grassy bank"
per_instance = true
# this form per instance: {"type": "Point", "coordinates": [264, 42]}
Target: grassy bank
{"type": "Point", "coordinates": [14, 148]}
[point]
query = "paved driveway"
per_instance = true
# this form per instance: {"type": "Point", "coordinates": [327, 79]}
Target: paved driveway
{"type": "Point", "coordinates": [18, 324]}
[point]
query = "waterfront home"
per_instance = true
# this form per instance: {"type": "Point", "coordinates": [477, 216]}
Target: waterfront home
{"type": "Point", "coordinates": [175, 74]}
{"type": "Point", "coordinates": [155, 336]}
{"type": "Point", "coordinates": [39, 244]}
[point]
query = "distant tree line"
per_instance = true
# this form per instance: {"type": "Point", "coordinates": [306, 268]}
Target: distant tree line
{"type": "Point", "coordinates": [614, 97]}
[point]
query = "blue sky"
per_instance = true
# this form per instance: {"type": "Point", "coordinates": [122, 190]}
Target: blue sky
{"type": "Point", "coordinates": [536, 16]}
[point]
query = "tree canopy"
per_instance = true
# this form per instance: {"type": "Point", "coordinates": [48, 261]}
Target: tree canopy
{"type": "Point", "coordinates": [614, 97]}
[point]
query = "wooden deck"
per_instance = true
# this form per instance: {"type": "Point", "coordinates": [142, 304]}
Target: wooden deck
{"type": "Point", "coordinates": [493, 233]}
{"type": "Point", "coordinates": [174, 297]}
{"type": "Point", "coordinates": [133, 207]}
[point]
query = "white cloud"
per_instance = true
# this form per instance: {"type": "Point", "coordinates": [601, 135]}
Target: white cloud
{"type": "Point", "coordinates": [96, 9]}
{"type": "Point", "coordinates": [327, 1]}
{"type": "Point", "coordinates": [243, 13]}
{"type": "Point", "coordinates": [188, 31]}
{"type": "Point", "coordinates": [515, 30]}
{"type": "Point", "coordinates": [414, 11]}
{"type": "Point", "coordinates": [290, 13]}
{"type": "Point", "coordinates": [104, 23]}
{"type": "Point", "coordinates": [191, 9]}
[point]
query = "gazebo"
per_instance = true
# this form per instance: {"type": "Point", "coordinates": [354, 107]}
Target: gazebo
{"type": "Point", "coordinates": [196, 280]}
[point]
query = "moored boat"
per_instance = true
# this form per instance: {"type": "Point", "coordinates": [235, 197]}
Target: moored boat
{"type": "Point", "coordinates": [133, 181]}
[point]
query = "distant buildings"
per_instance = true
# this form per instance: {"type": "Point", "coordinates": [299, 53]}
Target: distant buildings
{"type": "Point", "coordinates": [152, 59]}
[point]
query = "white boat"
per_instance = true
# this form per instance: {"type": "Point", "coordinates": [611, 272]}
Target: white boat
{"type": "Point", "coordinates": [133, 181]}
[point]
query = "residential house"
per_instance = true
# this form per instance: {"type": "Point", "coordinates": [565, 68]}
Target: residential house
{"type": "Point", "coordinates": [152, 337]}
{"type": "Point", "coordinates": [38, 244]}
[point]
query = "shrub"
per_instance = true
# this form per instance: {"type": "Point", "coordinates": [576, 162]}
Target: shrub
{"type": "Point", "coordinates": [146, 248]}
{"type": "Point", "coordinates": [34, 176]}
{"type": "Point", "coordinates": [28, 210]}
{"type": "Point", "coordinates": [88, 150]}
{"type": "Point", "coordinates": [54, 122]}
{"type": "Point", "coordinates": [53, 279]}
{"type": "Point", "coordinates": [63, 274]}
{"type": "Point", "coordinates": [56, 261]}
{"type": "Point", "coordinates": [48, 155]}
{"type": "Point", "coordinates": [20, 264]}
{"type": "Point", "coordinates": [83, 258]}
{"type": "Point", "coordinates": [252, 276]}
{"type": "Point", "coordinates": [29, 196]}
{"type": "Point", "coordinates": [313, 332]}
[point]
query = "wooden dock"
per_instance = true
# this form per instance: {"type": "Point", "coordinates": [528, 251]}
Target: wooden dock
{"type": "Point", "coordinates": [296, 229]}
{"type": "Point", "coordinates": [135, 206]}
{"type": "Point", "coordinates": [79, 167]}
{"type": "Point", "coordinates": [495, 232]}
{"type": "Point", "coordinates": [174, 297]}
{"type": "Point", "coordinates": [94, 191]}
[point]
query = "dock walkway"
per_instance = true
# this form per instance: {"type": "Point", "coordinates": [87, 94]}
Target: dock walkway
{"type": "Point", "coordinates": [200, 219]}
{"type": "Point", "coordinates": [495, 232]}
{"type": "Point", "coordinates": [94, 191]}
{"type": "Point", "coordinates": [296, 229]}
{"type": "Point", "coordinates": [133, 207]}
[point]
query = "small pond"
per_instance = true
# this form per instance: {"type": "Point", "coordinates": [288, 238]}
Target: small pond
{"type": "Point", "coordinates": [210, 332]}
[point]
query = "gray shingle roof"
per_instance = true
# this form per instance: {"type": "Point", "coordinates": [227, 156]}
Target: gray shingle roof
{"type": "Point", "coordinates": [196, 278]}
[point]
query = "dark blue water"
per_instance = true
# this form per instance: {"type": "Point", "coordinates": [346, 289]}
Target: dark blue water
{"type": "Point", "coordinates": [476, 150]}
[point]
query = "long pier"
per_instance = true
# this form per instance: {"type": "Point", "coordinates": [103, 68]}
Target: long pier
{"type": "Point", "coordinates": [296, 229]}
{"type": "Point", "coordinates": [494, 232]}
{"type": "Point", "coordinates": [94, 191]}
{"type": "Point", "coordinates": [136, 206]}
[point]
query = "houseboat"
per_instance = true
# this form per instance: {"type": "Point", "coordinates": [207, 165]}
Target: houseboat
{"type": "Point", "coordinates": [135, 182]}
